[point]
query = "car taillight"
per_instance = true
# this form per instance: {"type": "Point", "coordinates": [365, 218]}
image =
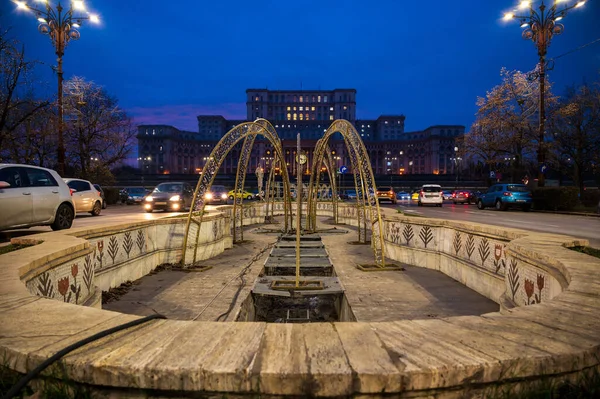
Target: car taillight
{"type": "Point", "coordinates": [71, 191]}
{"type": "Point", "coordinates": [391, 192]}
{"type": "Point", "coordinates": [422, 193]}
{"type": "Point", "coordinates": [99, 194]}
{"type": "Point", "coordinates": [467, 195]}
{"type": "Point", "coordinates": [453, 195]}
{"type": "Point", "coordinates": [507, 194]}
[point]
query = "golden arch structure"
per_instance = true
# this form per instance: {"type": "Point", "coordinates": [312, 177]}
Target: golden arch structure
{"type": "Point", "coordinates": [367, 205]}
{"type": "Point", "coordinates": [248, 132]}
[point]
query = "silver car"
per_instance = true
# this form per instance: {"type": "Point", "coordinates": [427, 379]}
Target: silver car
{"type": "Point", "coordinates": [34, 196]}
{"type": "Point", "coordinates": [85, 196]}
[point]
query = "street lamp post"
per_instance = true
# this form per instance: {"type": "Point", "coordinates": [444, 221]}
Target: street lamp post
{"type": "Point", "coordinates": [541, 26]}
{"type": "Point", "coordinates": [62, 28]}
{"type": "Point", "coordinates": [143, 161]}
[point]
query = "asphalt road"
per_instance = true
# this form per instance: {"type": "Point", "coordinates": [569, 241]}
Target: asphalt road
{"type": "Point", "coordinates": [587, 227]}
{"type": "Point", "coordinates": [577, 226]}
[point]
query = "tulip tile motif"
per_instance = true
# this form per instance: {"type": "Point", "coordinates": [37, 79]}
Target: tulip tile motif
{"type": "Point", "coordinates": [498, 261]}
{"type": "Point", "coordinates": [100, 256]}
{"type": "Point", "coordinates": [140, 240]}
{"type": "Point", "coordinates": [88, 272]}
{"type": "Point", "coordinates": [75, 289]}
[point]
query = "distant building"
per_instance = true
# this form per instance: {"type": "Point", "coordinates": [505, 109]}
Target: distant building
{"type": "Point", "coordinates": [165, 149]}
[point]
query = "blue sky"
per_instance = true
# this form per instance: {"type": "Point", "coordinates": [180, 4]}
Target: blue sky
{"type": "Point", "coordinates": [167, 62]}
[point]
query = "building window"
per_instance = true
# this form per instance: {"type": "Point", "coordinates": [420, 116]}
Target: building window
{"type": "Point", "coordinates": [295, 116]}
{"type": "Point", "coordinates": [301, 99]}
{"type": "Point", "coordinates": [160, 148]}
{"type": "Point", "coordinates": [331, 108]}
{"type": "Point", "coordinates": [256, 98]}
{"type": "Point", "coordinates": [289, 117]}
{"type": "Point", "coordinates": [301, 108]}
{"type": "Point", "coordinates": [318, 99]}
{"type": "Point", "coordinates": [301, 117]}
{"type": "Point", "coordinates": [153, 132]}
{"type": "Point", "coordinates": [312, 108]}
{"type": "Point", "coordinates": [294, 108]}
{"type": "Point", "coordinates": [324, 99]}
{"type": "Point", "coordinates": [313, 99]}
{"type": "Point", "coordinates": [288, 108]}
{"type": "Point", "coordinates": [330, 117]}
{"type": "Point", "coordinates": [345, 107]}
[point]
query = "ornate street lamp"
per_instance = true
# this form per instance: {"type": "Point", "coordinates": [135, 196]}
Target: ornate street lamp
{"type": "Point", "coordinates": [62, 27]}
{"type": "Point", "coordinates": [541, 26]}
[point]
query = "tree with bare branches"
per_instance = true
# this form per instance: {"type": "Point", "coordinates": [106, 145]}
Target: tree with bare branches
{"type": "Point", "coordinates": [17, 99]}
{"type": "Point", "coordinates": [576, 128]}
{"type": "Point", "coordinates": [98, 133]}
{"type": "Point", "coordinates": [506, 125]}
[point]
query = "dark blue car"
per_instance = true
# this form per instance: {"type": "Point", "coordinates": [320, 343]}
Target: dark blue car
{"type": "Point", "coordinates": [503, 196]}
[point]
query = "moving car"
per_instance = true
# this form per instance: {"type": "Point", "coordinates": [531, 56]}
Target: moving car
{"type": "Point", "coordinates": [403, 195]}
{"type": "Point", "coordinates": [101, 191]}
{"type": "Point", "coordinates": [463, 197]}
{"type": "Point", "coordinates": [174, 196]}
{"type": "Point", "coordinates": [431, 194]}
{"type": "Point", "coordinates": [34, 196]}
{"type": "Point", "coordinates": [216, 194]}
{"type": "Point", "coordinates": [386, 193]}
{"type": "Point", "coordinates": [415, 196]}
{"type": "Point", "coordinates": [241, 193]}
{"type": "Point", "coordinates": [135, 195]}
{"type": "Point", "coordinates": [85, 196]}
{"type": "Point", "coordinates": [503, 196]}
{"type": "Point", "coordinates": [350, 194]}
{"type": "Point", "coordinates": [447, 194]}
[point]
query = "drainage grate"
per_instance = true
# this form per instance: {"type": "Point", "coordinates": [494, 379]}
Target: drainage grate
{"type": "Point", "coordinates": [298, 316]}
{"type": "Point", "coordinates": [303, 285]}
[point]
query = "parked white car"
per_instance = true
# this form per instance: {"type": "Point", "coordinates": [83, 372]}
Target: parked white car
{"type": "Point", "coordinates": [85, 196]}
{"type": "Point", "coordinates": [431, 194]}
{"type": "Point", "coordinates": [34, 196]}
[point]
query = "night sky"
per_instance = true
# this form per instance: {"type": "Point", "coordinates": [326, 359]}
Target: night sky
{"type": "Point", "coordinates": [169, 61]}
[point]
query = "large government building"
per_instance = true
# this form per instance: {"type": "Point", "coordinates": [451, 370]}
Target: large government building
{"type": "Point", "coordinates": [164, 149]}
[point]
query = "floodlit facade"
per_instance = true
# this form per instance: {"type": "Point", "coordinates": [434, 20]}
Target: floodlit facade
{"type": "Point", "coordinates": [163, 149]}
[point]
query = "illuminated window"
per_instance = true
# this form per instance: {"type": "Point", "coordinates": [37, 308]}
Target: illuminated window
{"type": "Point", "coordinates": [288, 108]}
{"type": "Point", "coordinates": [294, 108]}
{"type": "Point", "coordinates": [306, 116]}
{"type": "Point", "coordinates": [331, 108]}
{"type": "Point", "coordinates": [295, 116]}
{"type": "Point", "coordinates": [301, 108]}
{"type": "Point", "coordinates": [289, 116]}
{"type": "Point", "coordinates": [256, 98]}
{"type": "Point", "coordinates": [345, 108]}
{"type": "Point", "coordinates": [385, 122]}
{"type": "Point", "coordinates": [301, 117]}
{"type": "Point", "coordinates": [330, 117]}
{"type": "Point", "coordinates": [301, 99]}
{"type": "Point", "coordinates": [312, 108]}
{"type": "Point", "coordinates": [318, 99]}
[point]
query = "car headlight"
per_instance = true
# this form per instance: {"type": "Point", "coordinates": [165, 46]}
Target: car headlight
{"type": "Point", "coordinates": [174, 198]}
{"type": "Point", "coordinates": [224, 196]}
{"type": "Point", "coordinates": [149, 198]}
{"type": "Point", "coordinates": [208, 196]}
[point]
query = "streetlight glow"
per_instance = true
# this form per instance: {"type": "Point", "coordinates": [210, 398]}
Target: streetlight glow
{"type": "Point", "coordinates": [524, 25]}
{"type": "Point", "coordinates": [508, 16]}
{"type": "Point", "coordinates": [580, 4]}
{"type": "Point", "coordinates": [78, 5]}
{"type": "Point", "coordinates": [524, 4]}
{"type": "Point", "coordinates": [42, 20]}
{"type": "Point", "coordinates": [21, 5]}
{"type": "Point", "coordinates": [94, 18]}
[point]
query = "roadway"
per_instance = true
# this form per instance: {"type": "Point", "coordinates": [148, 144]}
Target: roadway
{"type": "Point", "coordinates": [587, 227]}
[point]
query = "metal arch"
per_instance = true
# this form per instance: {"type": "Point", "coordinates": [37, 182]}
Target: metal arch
{"type": "Point", "coordinates": [329, 164]}
{"type": "Point", "coordinates": [218, 154]}
{"type": "Point", "coordinates": [276, 141]}
{"type": "Point", "coordinates": [240, 178]}
{"type": "Point", "coordinates": [364, 181]}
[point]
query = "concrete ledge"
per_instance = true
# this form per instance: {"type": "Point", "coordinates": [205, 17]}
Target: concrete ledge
{"type": "Point", "coordinates": [559, 335]}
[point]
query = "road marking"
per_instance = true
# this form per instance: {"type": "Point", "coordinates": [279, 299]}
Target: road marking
{"type": "Point", "coordinates": [535, 223]}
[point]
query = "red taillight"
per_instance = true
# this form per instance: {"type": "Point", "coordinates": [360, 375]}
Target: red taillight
{"type": "Point", "coordinates": [422, 193]}
{"type": "Point", "coordinates": [453, 195]}
{"type": "Point", "coordinates": [467, 195]}
{"type": "Point", "coordinates": [441, 193]}
{"type": "Point", "coordinates": [99, 194]}
{"type": "Point", "coordinates": [507, 194]}
{"type": "Point", "coordinates": [71, 191]}
{"type": "Point", "coordinates": [391, 193]}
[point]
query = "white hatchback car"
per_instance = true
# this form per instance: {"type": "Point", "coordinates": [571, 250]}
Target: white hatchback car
{"type": "Point", "coordinates": [34, 196]}
{"type": "Point", "coordinates": [85, 196]}
{"type": "Point", "coordinates": [431, 194]}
